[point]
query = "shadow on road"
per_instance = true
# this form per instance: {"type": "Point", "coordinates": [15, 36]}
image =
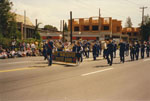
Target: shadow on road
{"type": "Point", "coordinates": [117, 63]}
{"type": "Point", "coordinates": [38, 67]}
{"type": "Point", "coordinates": [42, 63]}
{"type": "Point", "coordinates": [93, 60]}
{"type": "Point", "coordinates": [128, 61]}
{"type": "Point", "coordinates": [66, 65]}
{"type": "Point", "coordinates": [102, 66]}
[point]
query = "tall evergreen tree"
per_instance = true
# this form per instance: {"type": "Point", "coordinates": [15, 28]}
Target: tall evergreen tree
{"type": "Point", "coordinates": [65, 27]}
{"type": "Point", "coordinates": [128, 23]}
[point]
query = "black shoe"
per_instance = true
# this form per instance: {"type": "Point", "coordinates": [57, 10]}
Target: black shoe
{"type": "Point", "coordinates": [49, 64]}
{"type": "Point", "coordinates": [110, 64]}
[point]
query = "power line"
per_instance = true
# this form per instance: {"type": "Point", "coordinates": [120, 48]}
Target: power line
{"type": "Point", "coordinates": [133, 2]}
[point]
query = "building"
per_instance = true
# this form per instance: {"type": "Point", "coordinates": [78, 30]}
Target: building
{"type": "Point", "coordinates": [95, 28]}
{"type": "Point", "coordinates": [45, 34]}
{"type": "Point", "coordinates": [27, 29]}
{"type": "Point", "coordinates": [133, 33]}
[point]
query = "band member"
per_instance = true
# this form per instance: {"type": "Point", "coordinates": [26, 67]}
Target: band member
{"type": "Point", "coordinates": [115, 49]}
{"type": "Point", "coordinates": [79, 52]}
{"type": "Point", "coordinates": [94, 51]}
{"type": "Point", "coordinates": [110, 50]}
{"type": "Point", "coordinates": [142, 50]}
{"type": "Point", "coordinates": [137, 50]}
{"type": "Point", "coordinates": [147, 49]}
{"type": "Point", "coordinates": [49, 51]}
{"type": "Point", "coordinates": [127, 49]}
{"type": "Point", "coordinates": [132, 51]}
{"type": "Point", "coordinates": [74, 49]}
{"type": "Point", "coordinates": [122, 51]}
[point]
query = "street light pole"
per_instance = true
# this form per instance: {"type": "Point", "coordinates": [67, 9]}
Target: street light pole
{"type": "Point", "coordinates": [24, 24]}
{"type": "Point", "coordinates": [99, 23]}
{"type": "Point", "coordinates": [63, 32]}
{"type": "Point", "coordinates": [71, 26]}
{"type": "Point", "coordinates": [143, 9]}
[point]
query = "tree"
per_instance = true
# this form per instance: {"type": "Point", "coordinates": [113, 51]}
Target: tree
{"type": "Point", "coordinates": [145, 29]}
{"type": "Point", "coordinates": [8, 25]}
{"type": "Point", "coordinates": [50, 28]}
{"type": "Point", "coordinates": [65, 27]}
{"type": "Point", "coordinates": [128, 23]}
{"type": "Point", "coordinates": [146, 19]}
{"type": "Point", "coordinates": [36, 33]}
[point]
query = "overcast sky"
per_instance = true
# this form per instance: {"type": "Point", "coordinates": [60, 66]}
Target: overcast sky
{"type": "Point", "coordinates": [52, 11]}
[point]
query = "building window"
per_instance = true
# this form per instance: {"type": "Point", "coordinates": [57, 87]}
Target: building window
{"type": "Point", "coordinates": [106, 27]}
{"type": "Point", "coordinates": [76, 28]}
{"type": "Point", "coordinates": [78, 38]}
{"type": "Point", "coordinates": [95, 28]}
{"type": "Point", "coordinates": [118, 29]}
{"type": "Point", "coordinates": [107, 37]}
{"type": "Point", "coordinates": [49, 37]}
{"type": "Point", "coordinates": [135, 34]}
{"type": "Point", "coordinates": [97, 38]}
{"type": "Point", "coordinates": [123, 33]}
{"type": "Point", "coordinates": [86, 28]}
{"type": "Point", "coordinates": [129, 34]}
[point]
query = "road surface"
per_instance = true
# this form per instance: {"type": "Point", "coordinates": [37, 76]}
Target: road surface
{"type": "Point", "coordinates": [30, 79]}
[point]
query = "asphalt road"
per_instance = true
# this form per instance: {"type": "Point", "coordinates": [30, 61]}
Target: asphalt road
{"type": "Point", "coordinates": [30, 79]}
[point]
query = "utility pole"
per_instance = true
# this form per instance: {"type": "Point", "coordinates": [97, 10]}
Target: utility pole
{"type": "Point", "coordinates": [63, 32]}
{"type": "Point", "coordinates": [24, 24]}
{"type": "Point", "coordinates": [60, 25]}
{"type": "Point", "coordinates": [99, 23]}
{"type": "Point", "coordinates": [143, 9]}
{"type": "Point", "coordinates": [71, 26]}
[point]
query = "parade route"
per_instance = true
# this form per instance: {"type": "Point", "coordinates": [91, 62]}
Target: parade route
{"type": "Point", "coordinates": [74, 50]}
{"type": "Point", "coordinates": [90, 81]}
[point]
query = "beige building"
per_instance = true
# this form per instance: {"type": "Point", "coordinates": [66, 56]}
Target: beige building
{"type": "Point", "coordinates": [27, 28]}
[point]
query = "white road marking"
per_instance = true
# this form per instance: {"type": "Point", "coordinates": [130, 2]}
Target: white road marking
{"type": "Point", "coordinates": [97, 72]}
{"type": "Point", "coordinates": [20, 62]}
{"type": "Point", "coordinates": [147, 60]}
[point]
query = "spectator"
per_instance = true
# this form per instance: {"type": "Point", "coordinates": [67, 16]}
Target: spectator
{"type": "Point", "coordinates": [13, 45]}
{"type": "Point", "coordinates": [1, 49]}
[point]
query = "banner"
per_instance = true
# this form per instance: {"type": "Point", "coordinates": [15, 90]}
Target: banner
{"type": "Point", "coordinates": [69, 57]}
